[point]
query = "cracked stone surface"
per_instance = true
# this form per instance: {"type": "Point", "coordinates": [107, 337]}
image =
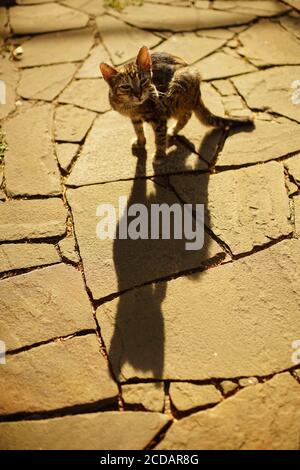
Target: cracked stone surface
{"type": "Point", "coordinates": [43, 304]}
{"type": "Point", "coordinates": [76, 372]}
{"type": "Point", "coordinates": [66, 46]}
{"type": "Point", "coordinates": [118, 343]}
{"type": "Point", "coordinates": [150, 395]}
{"type": "Point", "coordinates": [90, 94]}
{"type": "Point", "coordinates": [26, 255]}
{"type": "Point", "coordinates": [45, 83]}
{"type": "Point", "coordinates": [126, 431]}
{"type": "Point", "coordinates": [30, 165]}
{"type": "Point", "coordinates": [186, 396]}
{"type": "Point", "coordinates": [270, 90]}
{"type": "Point", "coordinates": [253, 200]}
{"type": "Point", "coordinates": [72, 123]}
{"type": "Point", "coordinates": [271, 140]}
{"type": "Point", "coordinates": [237, 306]}
{"type": "Point", "coordinates": [121, 39]}
{"type": "Point", "coordinates": [273, 407]}
{"type": "Point", "coordinates": [279, 45]}
{"type": "Point", "coordinates": [45, 18]}
{"type": "Point", "coordinates": [113, 265]}
{"type": "Point", "coordinates": [32, 219]}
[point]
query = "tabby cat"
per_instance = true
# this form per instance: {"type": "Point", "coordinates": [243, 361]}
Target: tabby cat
{"type": "Point", "coordinates": [155, 88]}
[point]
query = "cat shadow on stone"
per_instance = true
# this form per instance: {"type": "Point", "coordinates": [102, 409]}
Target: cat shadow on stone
{"type": "Point", "coordinates": [137, 347]}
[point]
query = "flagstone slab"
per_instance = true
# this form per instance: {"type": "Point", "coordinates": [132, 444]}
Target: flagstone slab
{"type": "Point", "coordinates": [241, 309]}
{"type": "Point", "coordinates": [90, 94]}
{"type": "Point", "coordinates": [43, 304]}
{"type": "Point", "coordinates": [8, 75]}
{"type": "Point", "coordinates": [32, 19]}
{"type": "Point", "coordinates": [107, 155]}
{"type": "Point", "coordinates": [189, 46]}
{"type": "Point", "coordinates": [186, 396]}
{"type": "Point", "coordinates": [30, 164]}
{"type": "Point", "coordinates": [256, 7]}
{"type": "Point", "coordinates": [65, 46]}
{"type": "Point", "coordinates": [251, 209]}
{"type": "Point", "coordinates": [221, 65]}
{"type": "Point", "coordinates": [121, 40]}
{"type": "Point", "coordinates": [174, 18]}
{"type": "Point", "coordinates": [90, 67]}
{"type": "Point", "coordinates": [65, 154]}
{"type": "Point", "coordinates": [262, 417]}
{"type": "Point", "coordinates": [270, 90]}
{"type": "Point", "coordinates": [149, 395]}
{"type": "Point", "coordinates": [269, 140]}
{"type": "Point", "coordinates": [45, 83]}
{"type": "Point", "coordinates": [113, 265]}
{"type": "Point", "coordinates": [280, 47]}
{"type": "Point", "coordinates": [56, 375]}
{"type": "Point", "coordinates": [68, 250]}
{"type": "Point", "coordinates": [35, 218]}
{"type": "Point", "coordinates": [293, 166]}
{"type": "Point", "coordinates": [72, 123]}
{"type": "Point", "coordinates": [92, 431]}
{"type": "Point", "coordinates": [26, 255]}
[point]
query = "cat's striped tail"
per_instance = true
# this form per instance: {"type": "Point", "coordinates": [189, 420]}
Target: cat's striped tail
{"type": "Point", "coordinates": [209, 119]}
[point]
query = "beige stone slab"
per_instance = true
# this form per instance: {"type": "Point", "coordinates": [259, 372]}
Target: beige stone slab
{"type": "Point", "coordinates": [186, 396]}
{"type": "Point", "coordinates": [150, 395]}
{"type": "Point", "coordinates": [256, 7]}
{"type": "Point", "coordinates": [91, 94]}
{"type": "Point", "coordinates": [43, 304]}
{"type": "Point", "coordinates": [189, 46]}
{"type": "Point", "coordinates": [251, 208]}
{"type": "Point", "coordinates": [56, 375]}
{"type": "Point", "coordinates": [72, 123]}
{"type": "Point", "coordinates": [224, 87]}
{"type": "Point", "coordinates": [269, 140]}
{"type": "Point", "coordinates": [65, 46]}
{"type": "Point", "coordinates": [293, 166]}
{"type": "Point", "coordinates": [107, 155]}
{"type": "Point", "coordinates": [90, 67]}
{"type": "Point", "coordinates": [67, 249]}
{"type": "Point", "coordinates": [45, 83]}
{"type": "Point", "coordinates": [32, 19]}
{"type": "Point", "coordinates": [9, 75]}
{"type": "Point", "coordinates": [65, 154]}
{"type": "Point", "coordinates": [263, 417]}
{"type": "Point", "coordinates": [91, 431]}
{"type": "Point", "coordinates": [121, 40]}
{"type": "Point", "coordinates": [221, 65]}
{"type": "Point", "coordinates": [26, 255]}
{"type": "Point", "coordinates": [181, 19]}
{"type": "Point", "coordinates": [91, 7]}
{"type": "Point", "coordinates": [114, 265]}
{"type": "Point", "coordinates": [297, 215]}
{"type": "Point", "coordinates": [271, 90]}
{"type": "Point", "coordinates": [30, 164]}
{"type": "Point", "coordinates": [37, 218]}
{"type": "Point", "coordinates": [234, 320]}
{"type": "Point", "coordinates": [279, 45]}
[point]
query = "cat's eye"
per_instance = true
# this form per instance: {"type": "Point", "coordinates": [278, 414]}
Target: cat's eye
{"type": "Point", "coordinates": [125, 87]}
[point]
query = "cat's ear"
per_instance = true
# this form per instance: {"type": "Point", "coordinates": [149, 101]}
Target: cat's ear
{"type": "Point", "coordinates": [107, 71]}
{"type": "Point", "coordinates": [143, 59]}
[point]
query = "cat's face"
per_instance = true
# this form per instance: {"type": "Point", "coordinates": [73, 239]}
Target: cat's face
{"type": "Point", "coordinates": [132, 83]}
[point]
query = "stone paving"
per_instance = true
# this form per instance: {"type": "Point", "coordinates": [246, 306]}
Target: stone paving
{"type": "Point", "coordinates": [141, 344]}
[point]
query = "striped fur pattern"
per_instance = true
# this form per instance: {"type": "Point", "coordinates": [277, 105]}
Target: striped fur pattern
{"type": "Point", "coordinates": [155, 88]}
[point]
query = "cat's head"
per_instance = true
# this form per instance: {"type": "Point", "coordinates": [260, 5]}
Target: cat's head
{"type": "Point", "coordinates": [131, 82]}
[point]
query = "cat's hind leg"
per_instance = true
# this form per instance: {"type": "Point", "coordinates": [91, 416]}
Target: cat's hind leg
{"type": "Point", "coordinates": [182, 120]}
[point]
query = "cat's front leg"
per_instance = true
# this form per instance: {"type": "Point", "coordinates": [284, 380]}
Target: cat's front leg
{"type": "Point", "coordinates": [140, 141]}
{"type": "Point", "coordinates": [160, 131]}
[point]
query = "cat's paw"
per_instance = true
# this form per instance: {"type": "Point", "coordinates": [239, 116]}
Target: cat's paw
{"type": "Point", "coordinates": [138, 147]}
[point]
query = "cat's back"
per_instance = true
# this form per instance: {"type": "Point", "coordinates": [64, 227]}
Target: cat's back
{"type": "Point", "coordinates": [164, 66]}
